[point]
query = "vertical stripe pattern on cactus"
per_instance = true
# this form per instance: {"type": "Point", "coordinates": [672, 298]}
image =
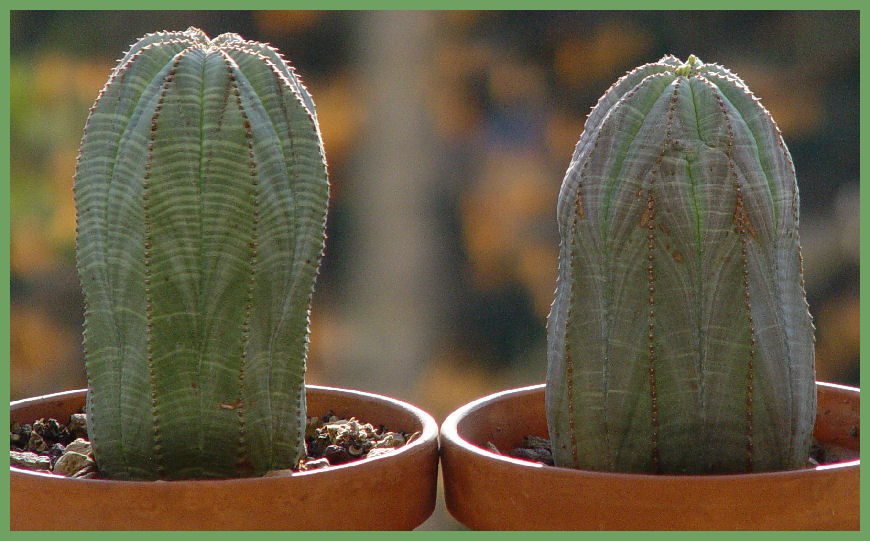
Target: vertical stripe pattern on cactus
{"type": "Point", "coordinates": [201, 194]}
{"type": "Point", "coordinates": [680, 340]}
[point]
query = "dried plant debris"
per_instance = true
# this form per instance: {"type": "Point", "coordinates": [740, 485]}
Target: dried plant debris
{"type": "Point", "coordinates": [52, 447]}
{"type": "Point", "coordinates": [536, 449]}
{"type": "Point", "coordinates": [821, 454]}
{"type": "Point", "coordinates": [331, 441]}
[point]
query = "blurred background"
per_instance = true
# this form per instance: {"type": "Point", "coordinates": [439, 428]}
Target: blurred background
{"type": "Point", "coordinates": [447, 136]}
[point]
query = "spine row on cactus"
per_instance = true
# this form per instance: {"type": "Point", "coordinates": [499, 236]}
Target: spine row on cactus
{"type": "Point", "coordinates": [680, 197]}
{"type": "Point", "coordinates": [198, 297]}
{"type": "Point", "coordinates": [249, 301]}
{"type": "Point", "coordinates": [649, 220]}
{"type": "Point", "coordinates": [750, 361]}
{"type": "Point", "coordinates": [654, 412]}
{"type": "Point", "coordinates": [149, 299]}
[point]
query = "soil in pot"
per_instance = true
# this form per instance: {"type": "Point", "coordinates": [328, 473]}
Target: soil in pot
{"type": "Point", "coordinates": [538, 449]}
{"type": "Point", "coordinates": [49, 445]}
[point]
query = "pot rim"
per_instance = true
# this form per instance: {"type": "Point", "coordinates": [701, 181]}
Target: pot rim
{"type": "Point", "coordinates": [428, 434]}
{"type": "Point", "coordinates": [450, 435]}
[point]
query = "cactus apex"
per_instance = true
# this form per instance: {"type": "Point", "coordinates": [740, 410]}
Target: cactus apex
{"type": "Point", "coordinates": [691, 66]}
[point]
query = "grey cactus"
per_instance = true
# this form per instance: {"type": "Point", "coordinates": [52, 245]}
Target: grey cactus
{"type": "Point", "coordinates": [680, 339]}
{"type": "Point", "coordinates": [201, 194]}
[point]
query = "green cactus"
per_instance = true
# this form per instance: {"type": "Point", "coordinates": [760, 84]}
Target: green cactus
{"type": "Point", "coordinates": [201, 195]}
{"type": "Point", "coordinates": [680, 339]}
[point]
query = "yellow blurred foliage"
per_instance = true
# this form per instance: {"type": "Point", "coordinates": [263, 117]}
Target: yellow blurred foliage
{"type": "Point", "coordinates": [283, 22]}
{"type": "Point", "coordinates": [62, 226]}
{"type": "Point", "coordinates": [341, 112]}
{"type": "Point", "coordinates": [453, 62]}
{"type": "Point", "coordinates": [512, 81]}
{"type": "Point", "coordinates": [563, 132]}
{"type": "Point", "coordinates": [796, 113]}
{"type": "Point", "coordinates": [536, 267]}
{"type": "Point", "coordinates": [328, 339]}
{"type": "Point", "coordinates": [57, 78]}
{"type": "Point", "coordinates": [453, 116]}
{"type": "Point", "coordinates": [30, 251]}
{"type": "Point", "coordinates": [40, 234]}
{"type": "Point", "coordinates": [838, 337]}
{"type": "Point", "coordinates": [43, 353]}
{"type": "Point", "coordinates": [461, 20]}
{"type": "Point", "coordinates": [594, 55]}
{"type": "Point", "coordinates": [450, 380]}
{"type": "Point", "coordinates": [501, 214]}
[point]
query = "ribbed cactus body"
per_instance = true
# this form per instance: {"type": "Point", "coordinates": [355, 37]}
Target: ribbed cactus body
{"type": "Point", "coordinates": [679, 339]}
{"type": "Point", "coordinates": [201, 194]}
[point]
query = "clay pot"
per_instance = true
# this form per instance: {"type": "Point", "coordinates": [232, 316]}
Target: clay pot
{"type": "Point", "coordinates": [488, 491]}
{"type": "Point", "coordinates": [394, 491]}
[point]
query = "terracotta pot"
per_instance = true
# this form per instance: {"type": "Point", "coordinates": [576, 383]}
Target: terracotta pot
{"type": "Point", "coordinates": [488, 491]}
{"type": "Point", "coordinates": [394, 491]}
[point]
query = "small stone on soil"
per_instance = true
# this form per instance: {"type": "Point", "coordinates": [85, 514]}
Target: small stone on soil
{"type": "Point", "coordinates": [80, 445]}
{"type": "Point", "coordinates": [336, 454]}
{"type": "Point", "coordinates": [71, 463]}
{"type": "Point", "coordinates": [78, 426]}
{"type": "Point", "coordinates": [378, 451]}
{"type": "Point", "coordinates": [315, 464]}
{"type": "Point", "coordinates": [57, 450]}
{"type": "Point", "coordinates": [88, 472]}
{"type": "Point", "coordinates": [390, 439]}
{"type": "Point", "coordinates": [29, 460]}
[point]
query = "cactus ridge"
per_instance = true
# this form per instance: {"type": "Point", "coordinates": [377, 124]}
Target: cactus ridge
{"type": "Point", "coordinates": [201, 194]}
{"type": "Point", "coordinates": [679, 339]}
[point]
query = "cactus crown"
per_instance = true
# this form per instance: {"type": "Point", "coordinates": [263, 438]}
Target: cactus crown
{"type": "Point", "coordinates": [201, 195]}
{"type": "Point", "coordinates": [679, 339]}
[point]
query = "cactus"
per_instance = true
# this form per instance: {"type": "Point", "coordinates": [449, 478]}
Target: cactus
{"type": "Point", "coordinates": [680, 340]}
{"type": "Point", "coordinates": [201, 194]}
